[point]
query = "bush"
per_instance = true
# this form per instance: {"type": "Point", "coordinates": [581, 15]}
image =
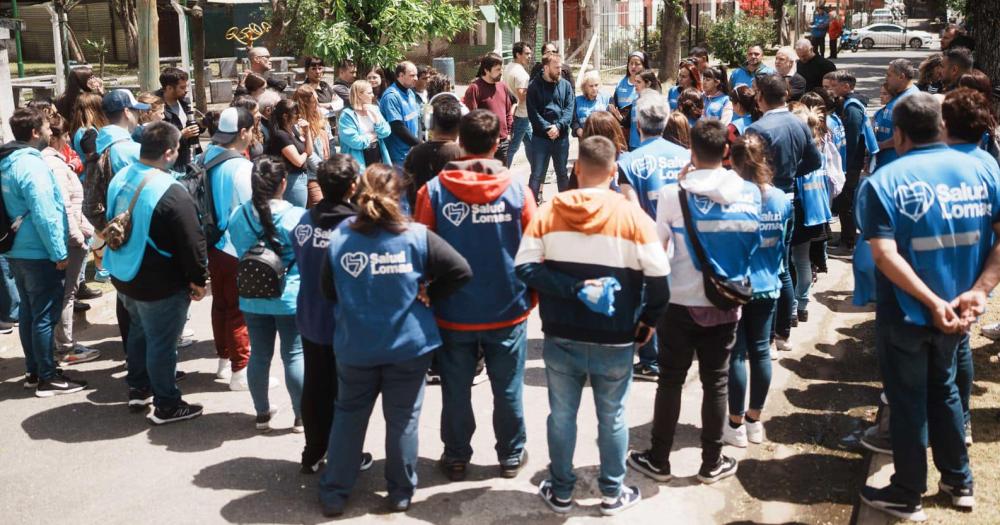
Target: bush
{"type": "Point", "coordinates": [729, 37]}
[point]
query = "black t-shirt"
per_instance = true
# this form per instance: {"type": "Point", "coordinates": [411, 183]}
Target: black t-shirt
{"type": "Point", "coordinates": [426, 160]}
{"type": "Point", "coordinates": [281, 138]}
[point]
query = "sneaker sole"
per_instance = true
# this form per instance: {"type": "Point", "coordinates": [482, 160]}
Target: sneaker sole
{"type": "Point", "coordinates": [366, 466]}
{"type": "Point", "coordinates": [874, 448]}
{"type": "Point", "coordinates": [78, 360]}
{"type": "Point", "coordinates": [720, 477]}
{"type": "Point", "coordinates": [644, 377]}
{"type": "Point", "coordinates": [53, 393]}
{"type": "Point", "coordinates": [157, 421]}
{"type": "Point", "coordinates": [737, 444]}
{"type": "Point", "coordinates": [648, 473]}
{"type": "Point", "coordinates": [138, 405]}
{"type": "Point", "coordinates": [962, 502]}
{"type": "Point", "coordinates": [912, 516]}
{"type": "Point", "coordinates": [557, 510]}
{"type": "Point", "coordinates": [29, 386]}
{"type": "Point", "coordinates": [619, 510]}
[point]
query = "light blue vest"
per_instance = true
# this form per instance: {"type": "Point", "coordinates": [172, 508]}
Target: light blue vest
{"type": "Point", "coordinates": [672, 95]}
{"type": "Point", "coordinates": [379, 320]}
{"type": "Point", "coordinates": [730, 233]}
{"type": "Point", "coordinates": [767, 262]}
{"type": "Point", "coordinates": [741, 123]}
{"type": "Point", "coordinates": [714, 106]}
{"type": "Point", "coordinates": [813, 191]}
{"type": "Point", "coordinates": [223, 190]}
{"type": "Point", "coordinates": [625, 93]}
{"type": "Point", "coordinates": [883, 127]}
{"type": "Point", "coordinates": [584, 106]}
{"type": "Point", "coordinates": [836, 127]}
{"type": "Point", "coordinates": [124, 263]}
{"type": "Point", "coordinates": [652, 166]}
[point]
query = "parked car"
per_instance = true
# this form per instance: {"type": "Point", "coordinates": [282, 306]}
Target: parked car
{"type": "Point", "coordinates": [883, 15]}
{"type": "Point", "coordinates": [891, 35]}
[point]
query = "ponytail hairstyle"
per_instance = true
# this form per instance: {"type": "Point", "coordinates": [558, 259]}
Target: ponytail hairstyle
{"type": "Point", "coordinates": [691, 103]}
{"type": "Point", "coordinates": [719, 75]}
{"type": "Point", "coordinates": [285, 110]}
{"type": "Point", "coordinates": [678, 129]}
{"type": "Point", "coordinates": [746, 97]}
{"type": "Point", "coordinates": [268, 175]}
{"type": "Point", "coordinates": [813, 118]}
{"type": "Point", "coordinates": [377, 198]}
{"type": "Point", "coordinates": [749, 157]}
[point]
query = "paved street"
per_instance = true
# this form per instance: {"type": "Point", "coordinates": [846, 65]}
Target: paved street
{"type": "Point", "coordinates": [84, 457]}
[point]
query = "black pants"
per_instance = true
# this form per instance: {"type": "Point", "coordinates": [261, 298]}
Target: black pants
{"type": "Point", "coordinates": [319, 392]}
{"type": "Point", "coordinates": [845, 208]}
{"type": "Point", "coordinates": [502, 149]}
{"type": "Point", "coordinates": [124, 320]}
{"type": "Point", "coordinates": [833, 47]}
{"type": "Point", "coordinates": [818, 44]}
{"type": "Point", "coordinates": [679, 339]}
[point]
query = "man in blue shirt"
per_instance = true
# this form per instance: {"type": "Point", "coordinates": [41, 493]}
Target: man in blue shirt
{"type": "Point", "coordinates": [899, 80]}
{"type": "Point", "coordinates": [931, 218]}
{"type": "Point", "coordinates": [852, 114]}
{"type": "Point", "coordinates": [401, 109]}
{"type": "Point", "coordinates": [550, 110]}
{"type": "Point", "coordinates": [745, 74]}
{"type": "Point", "coordinates": [818, 29]}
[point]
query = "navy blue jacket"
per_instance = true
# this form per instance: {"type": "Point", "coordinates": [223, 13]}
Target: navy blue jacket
{"type": "Point", "coordinates": [853, 118]}
{"type": "Point", "coordinates": [790, 143]}
{"type": "Point", "coordinates": [550, 104]}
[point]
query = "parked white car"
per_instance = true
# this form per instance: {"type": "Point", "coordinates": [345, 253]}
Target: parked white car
{"type": "Point", "coordinates": [891, 35]}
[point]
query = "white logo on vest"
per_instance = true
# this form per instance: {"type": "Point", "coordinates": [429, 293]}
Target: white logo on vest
{"type": "Point", "coordinates": [455, 212]}
{"type": "Point", "coordinates": [704, 204]}
{"type": "Point", "coordinates": [915, 199]}
{"type": "Point", "coordinates": [354, 263]}
{"type": "Point", "coordinates": [302, 233]}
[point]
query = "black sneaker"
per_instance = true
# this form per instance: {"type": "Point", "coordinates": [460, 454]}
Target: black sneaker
{"type": "Point", "coordinates": [312, 468]}
{"type": "Point", "coordinates": [557, 505]}
{"type": "Point", "coordinates": [86, 293]}
{"type": "Point", "coordinates": [180, 375]}
{"type": "Point", "coordinates": [139, 399]}
{"type": "Point", "coordinates": [366, 462]}
{"type": "Point", "coordinates": [453, 468]}
{"type": "Point", "coordinates": [263, 422]}
{"type": "Point", "coordinates": [332, 511]}
{"type": "Point", "coordinates": [726, 467]}
{"type": "Point", "coordinates": [80, 307]}
{"type": "Point", "coordinates": [961, 497]}
{"type": "Point", "coordinates": [641, 461]}
{"type": "Point", "coordinates": [30, 381]}
{"type": "Point", "coordinates": [58, 385]}
{"type": "Point", "coordinates": [398, 505]}
{"type": "Point", "coordinates": [433, 378]}
{"type": "Point", "coordinates": [795, 321]}
{"type": "Point", "coordinates": [628, 497]}
{"type": "Point", "coordinates": [645, 372]}
{"type": "Point", "coordinates": [803, 316]}
{"type": "Point", "coordinates": [889, 501]}
{"type": "Point", "coordinates": [511, 468]}
{"type": "Point", "coordinates": [180, 412]}
{"type": "Point", "coordinates": [6, 328]}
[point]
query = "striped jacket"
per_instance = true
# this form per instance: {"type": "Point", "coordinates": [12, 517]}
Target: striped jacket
{"type": "Point", "coordinates": [589, 234]}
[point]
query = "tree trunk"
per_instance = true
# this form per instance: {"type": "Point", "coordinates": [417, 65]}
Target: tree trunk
{"type": "Point", "coordinates": [197, 21]}
{"type": "Point", "coordinates": [75, 51]}
{"type": "Point", "coordinates": [672, 23]}
{"type": "Point", "coordinates": [529, 21]}
{"type": "Point", "coordinates": [985, 17]}
{"type": "Point", "coordinates": [126, 12]}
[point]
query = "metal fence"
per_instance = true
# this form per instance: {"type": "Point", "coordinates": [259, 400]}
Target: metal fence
{"type": "Point", "coordinates": [624, 26]}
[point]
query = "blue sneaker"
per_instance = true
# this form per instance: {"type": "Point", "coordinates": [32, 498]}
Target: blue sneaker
{"type": "Point", "coordinates": [102, 275]}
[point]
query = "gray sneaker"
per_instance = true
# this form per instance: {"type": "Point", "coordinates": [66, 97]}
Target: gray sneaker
{"type": "Point", "coordinates": [991, 331]}
{"type": "Point", "coordinates": [877, 438]}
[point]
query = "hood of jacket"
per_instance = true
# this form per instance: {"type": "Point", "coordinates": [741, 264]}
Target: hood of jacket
{"type": "Point", "coordinates": [588, 210]}
{"type": "Point", "coordinates": [11, 151]}
{"type": "Point", "coordinates": [328, 214]}
{"type": "Point", "coordinates": [475, 180]}
{"type": "Point", "coordinates": [719, 184]}
{"type": "Point", "coordinates": [110, 134]}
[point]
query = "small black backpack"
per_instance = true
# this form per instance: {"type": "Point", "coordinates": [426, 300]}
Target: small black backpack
{"type": "Point", "coordinates": [260, 273]}
{"type": "Point", "coordinates": [8, 227]}
{"type": "Point", "coordinates": [196, 181]}
{"type": "Point", "coordinates": [97, 173]}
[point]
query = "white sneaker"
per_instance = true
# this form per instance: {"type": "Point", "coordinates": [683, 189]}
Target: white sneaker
{"type": "Point", "coordinates": [991, 331]}
{"type": "Point", "coordinates": [782, 344]}
{"type": "Point", "coordinates": [773, 350]}
{"type": "Point", "coordinates": [755, 432]}
{"type": "Point", "coordinates": [238, 382]}
{"type": "Point", "coordinates": [223, 370]}
{"type": "Point", "coordinates": [736, 437]}
{"type": "Point", "coordinates": [187, 333]}
{"type": "Point", "coordinates": [184, 342]}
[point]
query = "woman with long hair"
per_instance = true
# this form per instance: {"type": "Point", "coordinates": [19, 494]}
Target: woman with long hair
{"type": "Point", "coordinates": [745, 110]}
{"type": "Point", "coordinates": [625, 92]}
{"type": "Point", "coordinates": [717, 104]}
{"type": "Point", "coordinates": [292, 141]}
{"type": "Point", "coordinates": [753, 333]}
{"type": "Point", "coordinates": [309, 109]}
{"type": "Point", "coordinates": [643, 81]}
{"type": "Point", "coordinates": [604, 124]}
{"type": "Point", "coordinates": [81, 79]}
{"type": "Point", "coordinates": [255, 85]}
{"type": "Point", "coordinates": [87, 119]}
{"type": "Point", "coordinates": [362, 127]}
{"type": "Point", "coordinates": [678, 129]}
{"type": "Point", "coordinates": [383, 273]}
{"type": "Point", "coordinates": [692, 104]}
{"type": "Point", "coordinates": [688, 77]}
{"type": "Point", "coordinates": [929, 74]}
{"type": "Point", "coordinates": [153, 114]}
{"type": "Point", "coordinates": [256, 147]}
{"type": "Point", "coordinates": [268, 218]}
{"type": "Point", "coordinates": [376, 78]}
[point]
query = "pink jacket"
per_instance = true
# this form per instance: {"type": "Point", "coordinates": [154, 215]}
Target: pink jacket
{"type": "Point", "coordinates": [71, 189]}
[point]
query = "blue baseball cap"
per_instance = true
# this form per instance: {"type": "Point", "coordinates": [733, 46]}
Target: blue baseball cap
{"type": "Point", "coordinates": [121, 99]}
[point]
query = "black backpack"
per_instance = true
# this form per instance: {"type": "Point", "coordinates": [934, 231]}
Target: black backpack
{"type": "Point", "coordinates": [196, 181]}
{"type": "Point", "coordinates": [260, 273]}
{"type": "Point", "coordinates": [97, 174]}
{"type": "Point", "coordinates": [8, 227]}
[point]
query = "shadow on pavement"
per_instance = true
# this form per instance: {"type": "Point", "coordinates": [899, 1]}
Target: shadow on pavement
{"type": "Point", "coordinates": [839, 301]}
{"type": "Point", "coordinates": [837, 397]}
{"type": "Point", "coordinates": [90, 422]}
{"type": "Point", "coordinates": [814, 367]}
{"type": "Point", "coordinates": [818, 478]}
{"type": "Point", "coordinates": [804, 428]}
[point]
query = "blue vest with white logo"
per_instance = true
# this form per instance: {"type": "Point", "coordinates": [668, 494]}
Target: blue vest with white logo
{"type": "Point", "coordinates": [488, 236]}
{"type": "Point", "coordinates": [714, 106]}
{"type": "Point", "coordinates": [584, 106]}
{"type": "Point", "coordinates": [377, 277]}
{"type": "Point", "coordinates": [124, 263]}
{"type": "Point", "coordinates": [313, 312]}
{"type": "Point", "coordinates": [652, 166]}
{"type": "Point", "coordinates": [883, 127]}
{"type": "Point", "coordinates": [836, 127]}
{"type": "Point", "coordinates": [625, 94]}
{"type": "Point", "coordinates": [767, 262]}
{"type": "Point", "coordinates": [672, 96]}
{"type": "Point", "coordinates": [813, 191]}
{"type": "Point", "coordinates": [942, 208]}
{"type": "Point", "coordinates": [867, 131]}
{"type": "Point", "coordinates": [863, 266]}
{"type": "Point", "coordinates": [730, 233]}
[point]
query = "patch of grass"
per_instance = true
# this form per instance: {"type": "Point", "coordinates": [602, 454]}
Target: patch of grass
{"type": "Point", "coordinates": [111, 69]}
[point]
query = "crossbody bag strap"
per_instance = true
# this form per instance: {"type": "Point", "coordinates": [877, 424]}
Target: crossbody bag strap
{"type": "Point", "coordinates": [138, 191]}
{"type": "Point", "coordinates": [692, 233]}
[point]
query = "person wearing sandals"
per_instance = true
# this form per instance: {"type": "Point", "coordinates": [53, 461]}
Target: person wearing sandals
{"type": "Point", "coordinates": [269, 218]}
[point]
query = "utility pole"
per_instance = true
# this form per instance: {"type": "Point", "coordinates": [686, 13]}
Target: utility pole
{"type": "Point", "coordinates": [149, 45]}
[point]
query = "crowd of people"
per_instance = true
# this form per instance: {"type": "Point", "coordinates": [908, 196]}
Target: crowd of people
{"type": "Point", "coordinates": [372, 231]}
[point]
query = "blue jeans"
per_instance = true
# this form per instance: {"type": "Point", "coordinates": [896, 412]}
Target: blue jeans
{"type": "Point", "coordinates": [297, 191]}
{"type": "Point", "coordinates": [10, 300]}
{"type": "Point", "coordinates": [40, 287]}
{"type": "Point", "coordinates": [263, 329]}
{"type": "Point", "coordinates": [918, 370]}
{"type": "Point", "coordinates": [753, 344]}
{"type": "Point", "coordinates": [963, 376]}
{"type": "Point", "coordinates": [504, 350]}
{"type": "Point", "coordinates": [648, 354]}
{"type": "Point", "coordinates": [402, 387]}
{"type": "Point", "coordinates": [520, 134]}
{"type": "Point", "coordinates": [151, 348]}
{"type": "Point", "coordinates": [542, 150]}
{"type": "Point", "coordinates": [568, 365]}
{"type": "Point", "coordinates": [803, 274]}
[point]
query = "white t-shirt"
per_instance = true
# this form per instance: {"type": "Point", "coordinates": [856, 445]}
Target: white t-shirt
{"type": "Point", "coordinates": [517, 78]}
{"type": "Point", "coordinates": [179, 110]}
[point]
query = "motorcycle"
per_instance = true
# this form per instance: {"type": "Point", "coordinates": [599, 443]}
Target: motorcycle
{"type": "Point", "coordinates": [849, 42]}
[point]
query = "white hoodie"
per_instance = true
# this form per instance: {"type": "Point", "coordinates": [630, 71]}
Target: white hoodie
{"type": "Point", "coordinates": [722, 186]}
